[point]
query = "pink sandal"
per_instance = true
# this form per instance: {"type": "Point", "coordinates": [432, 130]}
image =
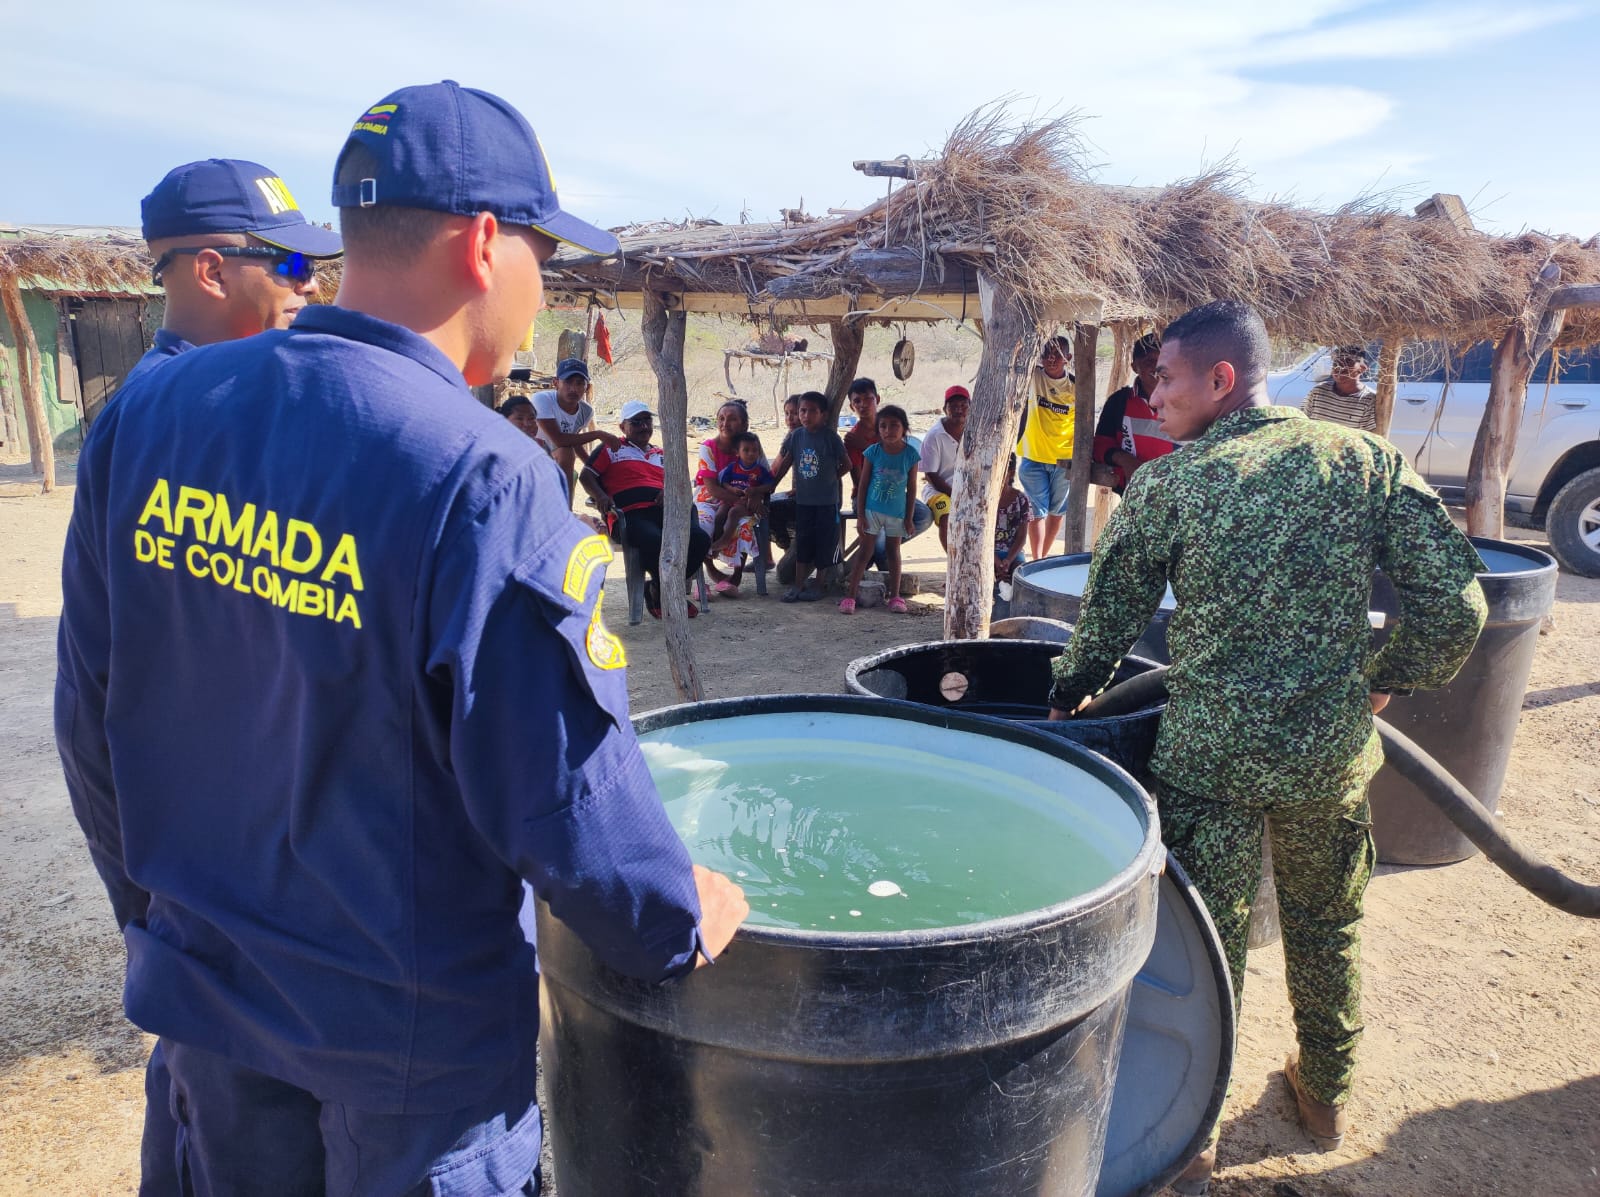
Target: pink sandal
{"type": "Point", "coordinates": [847, 606]}
{"type": "Point", "coordinates": [724, 586]}
{"type": "Point", "coordinates": [897, 605]}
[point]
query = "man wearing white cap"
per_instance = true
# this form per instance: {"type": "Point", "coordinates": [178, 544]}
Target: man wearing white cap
{"type": "Point", "coordinates": [631, 479]}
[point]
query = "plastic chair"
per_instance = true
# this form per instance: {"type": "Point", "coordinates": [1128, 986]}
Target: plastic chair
{"type": "Point", "coordinates": [634, 575]}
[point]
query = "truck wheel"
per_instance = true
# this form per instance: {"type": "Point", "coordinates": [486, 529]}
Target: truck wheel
{"type": "Point", "coordinates": [1573, 525]}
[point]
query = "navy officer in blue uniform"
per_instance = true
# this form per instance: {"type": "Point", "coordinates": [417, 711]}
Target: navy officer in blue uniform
{"type": "Point", "coordinates": [333, 684]}
{"type": "Point", "coordinates": [233, 252]}
{"type": "Point", "coordinates": [235, 257]}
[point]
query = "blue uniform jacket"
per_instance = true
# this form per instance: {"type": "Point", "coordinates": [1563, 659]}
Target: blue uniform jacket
{"type": "Point", "coordinates": [332, 683]}
{"type": "Point", "coordinates": [168, 345]}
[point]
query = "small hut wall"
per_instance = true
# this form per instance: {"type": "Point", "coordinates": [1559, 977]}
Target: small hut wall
{"type": "Point", "coordinates": [66, 431]}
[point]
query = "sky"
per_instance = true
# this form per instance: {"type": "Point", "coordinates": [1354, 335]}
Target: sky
{"type": "Point", "coordinates": [651, 110]}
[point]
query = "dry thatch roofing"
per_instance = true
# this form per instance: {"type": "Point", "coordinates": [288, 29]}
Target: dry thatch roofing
{"type": "Point", "coordinates": [75, 260]}
{"type": "Point", "coordinates": [1018, 203]}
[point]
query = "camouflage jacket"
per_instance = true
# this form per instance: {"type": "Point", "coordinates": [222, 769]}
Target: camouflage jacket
{"type": "Point", "coordinates": [1268, 528]}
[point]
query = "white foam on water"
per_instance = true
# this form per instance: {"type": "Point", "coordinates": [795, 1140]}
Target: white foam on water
{"type": "Point", "coordinates": [855, 914]}
{"type": "Point", "coordinates": [884, 889]}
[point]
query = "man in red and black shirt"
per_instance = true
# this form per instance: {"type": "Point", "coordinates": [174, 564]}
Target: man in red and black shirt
{"type": "Point", "coordinates": [1129, 432]}
{"type": "Point", "coordinates": [632, 479]}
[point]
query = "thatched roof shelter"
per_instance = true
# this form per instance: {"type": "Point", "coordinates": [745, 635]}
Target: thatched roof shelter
{"type": "Point", "coordinates": [1006, 225]}
{"type": "Point", "coordinates": [76, 260]}
{"type": "Point", "coordinates": [1018, 205]}
{"type": "Point", "coordinates": [53, 279]}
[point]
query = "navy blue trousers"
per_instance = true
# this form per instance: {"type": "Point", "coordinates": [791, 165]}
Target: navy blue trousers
{"type": "Point", "coordinates": [229, 1131]}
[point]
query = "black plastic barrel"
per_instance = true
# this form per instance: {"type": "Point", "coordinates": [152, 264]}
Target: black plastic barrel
{"type": "Point", "coordinates": [1006, 679]}
{"type": "Point", "coordinates": [1468, 725]}
{"type": "Point", "coordinates": [1053, 587]}
{"type": "Point", "coordinates": [1009, 679]}
{"type": "Point", "coordinates": [973, 1060]}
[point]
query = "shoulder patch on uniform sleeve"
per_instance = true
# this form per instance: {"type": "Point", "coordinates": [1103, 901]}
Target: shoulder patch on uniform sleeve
{"type": "Point", "coordinates": [588, 555]}
{"type": "Point", "coordinates": [604, 649]}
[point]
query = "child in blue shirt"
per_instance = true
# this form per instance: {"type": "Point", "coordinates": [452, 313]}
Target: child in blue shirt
{"type": "Point", "coordinates": [748, 475]}
{"type": "Point", "coordinates": [818, 458]}
{"type": "Point", "coordinates": [884, 503]}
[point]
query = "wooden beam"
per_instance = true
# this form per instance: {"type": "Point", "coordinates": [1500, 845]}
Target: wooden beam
{"type": "Point", "coordinates": [1388, 384]}
{"type": "Point", "coordinates": [888, 168]}
{"type": "Point", "coordinates": [1496, 443]}
{"type": "Point", "coordinates": [1010, 347]}
{"type": "Point", "coordinates": [663, 345]}
{"type": "Point", "coordinates": [886, 271]}
{"type": "Point", "coordinates": [30, 370]}
{"type": "Point", "coordinates": [933, 306]}
{"type": "Point", "coordinates": [1578, 295]}
{"type": "Point", "coordinates": [1085, 365]}
{"type": "Point", "coordinates": [848, 338]}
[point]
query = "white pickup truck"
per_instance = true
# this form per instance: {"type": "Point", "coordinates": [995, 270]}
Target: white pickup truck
{"type": "Point", "coordinates": [1555, 476]}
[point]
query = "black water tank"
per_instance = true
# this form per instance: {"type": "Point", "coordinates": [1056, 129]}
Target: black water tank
{"type": "Point", "coordinates": [1468, 725]}
{"type": "Point", "coordinates": [973, 1060]}
{"type": "Point", "coordinates": [1008, 679]}
{"type": "Point", "coordinates": [1053, 587]}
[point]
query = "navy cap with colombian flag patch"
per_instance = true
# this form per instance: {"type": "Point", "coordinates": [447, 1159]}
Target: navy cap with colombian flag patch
{"type": "Point", "coordinates": [448, 148]}
{"type": "Point", "coordinates": [228, 195]}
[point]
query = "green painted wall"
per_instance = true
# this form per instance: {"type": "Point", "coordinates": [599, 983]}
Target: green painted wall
{"type": "Point", "coordinates": [65, 429]}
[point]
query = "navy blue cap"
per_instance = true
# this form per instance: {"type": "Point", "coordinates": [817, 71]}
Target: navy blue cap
{"type": "Point", "coordinates": [226, 195]}
{"type": "Point", "coordinates": [568, 366]}
{"type": "Point", "coordinates": [455, 149]}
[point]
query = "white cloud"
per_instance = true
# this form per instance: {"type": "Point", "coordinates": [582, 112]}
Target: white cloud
{"type": "Point", "coordinates": [1433, 32]}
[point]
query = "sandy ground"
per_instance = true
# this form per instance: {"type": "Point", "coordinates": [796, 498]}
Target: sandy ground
{"type": "Point", "coordinates": [1479, 1070]}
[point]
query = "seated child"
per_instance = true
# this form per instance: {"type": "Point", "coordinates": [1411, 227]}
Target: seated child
{"type": "Point", "coordinates": [1012, 518]}
{"type": "Point", "coordinates": [753, 480]}
{"type": "Point", "coordinates": [885, 503]}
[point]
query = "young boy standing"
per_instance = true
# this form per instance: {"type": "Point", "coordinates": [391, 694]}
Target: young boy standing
{"type": "Point", "coordinates": [565, 419]}
{"type": "Point", "coordinates": [818, 457]}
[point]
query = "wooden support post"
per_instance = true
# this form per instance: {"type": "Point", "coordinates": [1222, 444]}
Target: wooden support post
{"type": "Point", "coordinates": [1123, 334]}
{"type": "Point", "coordinates": [663, 344]}
{"type": "Point", "coordinates": [1514, 357]}
{"type": "Point", "coordinates": [31, 376]}
{"type": "Point", "coordinates": [1388, 383]}
{"type": "Point", "coordinates": [67, 389]}
{"type": "Point", "coordinates": [1010, 347]}
{"type": "Point", "coordinates": [1085, 345]}
{"type": "Point", "coordinates": [10, 430]}
{"type": "Point", "coordinates": [848, 338]}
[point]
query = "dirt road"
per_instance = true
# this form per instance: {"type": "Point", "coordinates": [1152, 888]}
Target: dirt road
{"type": "Point", "coordinates": [1479, 1074]}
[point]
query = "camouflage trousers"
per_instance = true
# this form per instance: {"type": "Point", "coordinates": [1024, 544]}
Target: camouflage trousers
{"type": "Point", "coordinates": [1322, 858]}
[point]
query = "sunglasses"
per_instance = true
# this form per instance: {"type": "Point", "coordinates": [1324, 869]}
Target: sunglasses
{"type": "Point", "coordinates": [296, 267]}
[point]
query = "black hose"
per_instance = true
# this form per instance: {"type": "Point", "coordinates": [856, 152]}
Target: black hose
{"type": "Point", "coordinates": [1452, 799]}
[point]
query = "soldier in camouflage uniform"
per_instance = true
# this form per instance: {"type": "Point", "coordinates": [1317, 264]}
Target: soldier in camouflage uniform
{"type": "Point", "coordinates": [1268, 528]}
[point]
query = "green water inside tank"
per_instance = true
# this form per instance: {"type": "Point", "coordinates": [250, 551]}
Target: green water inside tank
{"type": "Point", "coordinates": [857, 837]}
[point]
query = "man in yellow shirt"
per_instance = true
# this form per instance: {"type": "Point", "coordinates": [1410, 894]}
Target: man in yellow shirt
{"type": "Point", "coordinates": [1045, 446]}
